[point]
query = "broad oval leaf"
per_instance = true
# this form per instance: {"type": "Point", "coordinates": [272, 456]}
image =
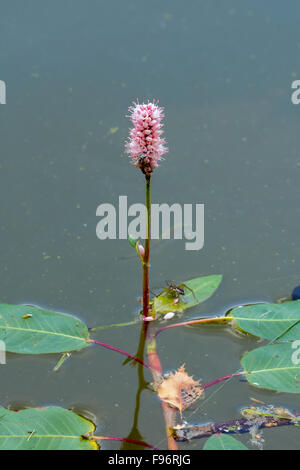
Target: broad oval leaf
{"type": "Point", "coordinates": [48, 428]}
{"type": "Point", "coordinates": [223, 442]}
{"type": "Point", "coordinates": [273, 367]}
{"type": "Point", "coordinates": [27, 329]}
{"type": "Point", "coordinates": [201, 289]}
{"type": "Point", "coordinates": [269, 321]}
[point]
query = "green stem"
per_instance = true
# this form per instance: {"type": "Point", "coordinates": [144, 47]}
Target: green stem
{"type": "Point", "coordinates": [114, 325]}
{"type": "Point", "coordinates": [146, 308]}
{"type": "Point", "coordinates": [61, 361]}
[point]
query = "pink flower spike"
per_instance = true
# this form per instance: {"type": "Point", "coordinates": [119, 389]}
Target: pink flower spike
{"type": "Point", "coordinates": [145, 145]}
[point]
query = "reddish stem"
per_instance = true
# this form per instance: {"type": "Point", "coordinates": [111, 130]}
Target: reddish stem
{"type": "Point", "coordinates": [155, 365]}
{"type": "Point", "coordinates": [125, 353]}
{"type": "Point", "coordinates": [147, 250]}
{"type": "Point", "coordinates": [156, 369]}
{"type": "Point", "coordinates": [221, 379]}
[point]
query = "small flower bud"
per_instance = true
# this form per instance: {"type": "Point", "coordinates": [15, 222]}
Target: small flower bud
{"type": "Point", "coordinates": [141, 250]}
{"type": "Point", "coordinates": [169, 315]}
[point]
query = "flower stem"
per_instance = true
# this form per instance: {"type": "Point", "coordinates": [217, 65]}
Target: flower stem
{"type": "Point", "coordinates": [146, 308]}
{"type": "Point", "coordinates": [154, 361]}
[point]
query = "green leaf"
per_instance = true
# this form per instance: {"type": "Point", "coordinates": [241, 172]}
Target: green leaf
{"type": "Point", "coordinates": [44, 429]}
{"type": "Point", "coordinates": [31, 330]}
{"type": "Point", "coordinates": [202, 287]}
{"type": "Point", "coordinates": [275, 413]}
{"type": "Point", "coordinates": [270, 321]}
{"type": "Point", "coordinates": [132, 241]}
{"type": "Point", "coordinates": [273, 367]}
{"type": "Point", "coordinates": [223, 442]}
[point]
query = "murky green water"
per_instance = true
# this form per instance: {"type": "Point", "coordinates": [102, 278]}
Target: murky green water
{"type": "Point", "coordinates": [223, 71]}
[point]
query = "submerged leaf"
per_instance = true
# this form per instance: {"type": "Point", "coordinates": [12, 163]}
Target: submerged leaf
{"type": "Point", "coordinates": [267, 416]}
{"type": "Point", "coordinates": [270, 412]}
{"type": "Point", "coordinates": [179, 390]}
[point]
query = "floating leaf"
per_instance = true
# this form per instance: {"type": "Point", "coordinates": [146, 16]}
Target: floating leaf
{"type": "Point", "coordinates": [179, 389]}
{"type": "Point", "coordinates": [201, 289]}
{"type": "Point", "coordinates": [42, 332]}
{"type": "Point", "coordinates": [49, 428]}
{"type": "Point", "coordinates": [269, 321]}
{"type": "Point", "coordinates": [223, 442]}
{"type": "Point", "coordinates": [272, 367]}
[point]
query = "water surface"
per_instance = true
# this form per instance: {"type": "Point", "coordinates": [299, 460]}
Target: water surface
{"type": "Point", "coordinates": [223, 71]}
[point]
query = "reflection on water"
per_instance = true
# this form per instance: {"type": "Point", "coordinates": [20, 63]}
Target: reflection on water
{"type": "Point", "coordinates": [223, 73]}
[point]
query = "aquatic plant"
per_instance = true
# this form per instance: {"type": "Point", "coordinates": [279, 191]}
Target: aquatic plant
{"type": "Point", "coordinates": [146, 147]}
{"type": "Point", "coordinates": [33, 330]}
